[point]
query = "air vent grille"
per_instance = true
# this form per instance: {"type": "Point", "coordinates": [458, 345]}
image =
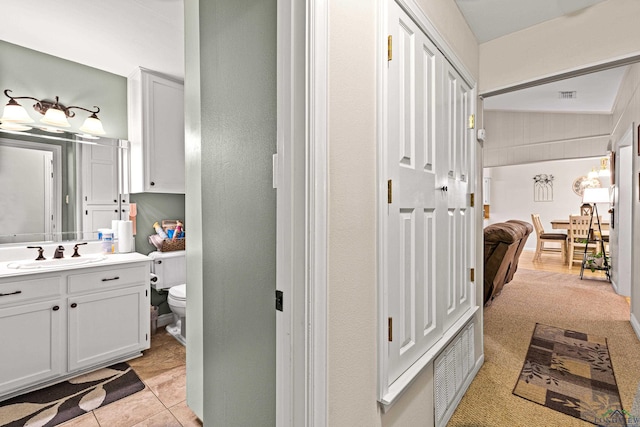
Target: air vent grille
{"type": "Point", "coordinates": [567, 94]}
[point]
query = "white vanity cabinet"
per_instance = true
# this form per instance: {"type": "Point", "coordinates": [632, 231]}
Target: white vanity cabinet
{"type": "Point", "coordinates": [156, 132]}
{"type": "Point", "coordinates": [108, 314]}
{"type": "Point", "coordinates": [56, 325]}
{"type": "Point", "coordinates": [32, 321]}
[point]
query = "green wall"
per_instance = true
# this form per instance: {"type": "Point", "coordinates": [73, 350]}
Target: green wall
{"type": "Point", "coordinates": [152, 207]}
{"type": "Point", "coordinates": [231, 137]}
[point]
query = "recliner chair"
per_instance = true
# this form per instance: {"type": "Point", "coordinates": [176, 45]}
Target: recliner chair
{"type": "Point", "coordinates": [503, 244]}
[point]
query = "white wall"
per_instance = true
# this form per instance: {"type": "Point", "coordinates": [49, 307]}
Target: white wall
{"type": "Point", "coordinates": [523, 137]}
{"type": "Point", "coordinates": [627, 114]}
{"type": "Point", "coordinates": [598, 34]}
{"type": "Point", "coordinates": [512, 192]}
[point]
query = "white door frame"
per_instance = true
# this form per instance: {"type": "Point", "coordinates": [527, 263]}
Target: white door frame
{"type": "Point", "coordinates": [300, 175]}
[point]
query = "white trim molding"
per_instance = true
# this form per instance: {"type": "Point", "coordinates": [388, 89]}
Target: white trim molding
{"type": "Point", "coordinates": [635, 325]}
{"type": "Point", "coordinates": [317, 206]}
{"type": "Point", "coordinates": [301, 175]}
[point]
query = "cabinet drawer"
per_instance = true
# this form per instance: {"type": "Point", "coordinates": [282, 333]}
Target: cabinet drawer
{"type": "Point", "coordinates": [24, 290]}
{"type": "Point", "coordinates": [108, 278]}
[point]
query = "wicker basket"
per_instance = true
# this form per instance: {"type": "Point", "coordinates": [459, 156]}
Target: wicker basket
{"type": "Point", "coordinates": [169, 245]}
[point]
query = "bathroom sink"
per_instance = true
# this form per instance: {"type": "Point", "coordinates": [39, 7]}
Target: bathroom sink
{"type": "Point", "coordinates": [54, 263]}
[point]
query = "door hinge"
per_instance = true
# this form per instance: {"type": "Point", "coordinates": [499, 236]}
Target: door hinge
{"type": "Point", "coordinates": [146, 293]}
{"type": "Point", "coordinates": [472, 199]}
{"type": "Point", "coordinates": [390, 329]}
{"type": "Point", "coordinates": [472, 121]}
{"type": "Point", "coordinates": [389, 191]}
{"type": "Point", "coordinates": [472, 275]}
{"type": "Point", "coordinates": [279, 300]}
{"type": "Point", "coordinates": [146, 337]}
{"type": "Point", "coordinates": [389, 48]}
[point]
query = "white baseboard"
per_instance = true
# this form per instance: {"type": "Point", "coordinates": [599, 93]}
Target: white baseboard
{"type": "Point", "coordinates": [614, 286]}
{"type": "Point", "coordinates": [635, 325]}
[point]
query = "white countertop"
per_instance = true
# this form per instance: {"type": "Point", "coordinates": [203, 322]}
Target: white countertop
{"type": "Point", "coordinates": [17, 255]}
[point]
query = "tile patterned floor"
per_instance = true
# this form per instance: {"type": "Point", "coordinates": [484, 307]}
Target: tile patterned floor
{"type": "Point", "coordinates": [162, 403]}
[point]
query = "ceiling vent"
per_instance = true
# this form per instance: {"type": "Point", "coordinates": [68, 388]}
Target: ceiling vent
{"type": "Point", "coordinates": [567, 94]}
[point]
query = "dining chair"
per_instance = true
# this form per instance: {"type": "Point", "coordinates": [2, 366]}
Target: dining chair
{"type": "Point", "coordinates": [543, 238]}
{"type": "Point", "coordinates": [580, 235]}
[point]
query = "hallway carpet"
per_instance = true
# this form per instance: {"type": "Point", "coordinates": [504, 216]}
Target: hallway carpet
{"type": "Point", "coordinates": [562, 300]}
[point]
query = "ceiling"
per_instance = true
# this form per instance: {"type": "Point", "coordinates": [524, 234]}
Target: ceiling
{"type": "Point", "coordinates": [595, 93]}
{"type": "Point", "coordinates": [115, 35]}
{"type": "Point", "coordinates": [490, 19]}
{"type": "Point", "coordinates": [119, 35]}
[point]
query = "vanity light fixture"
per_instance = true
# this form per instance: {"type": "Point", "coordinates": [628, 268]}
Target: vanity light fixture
{"type": "Point", "coordinates": [593, 174]}
{"type": "Point", "coordinates": [55, 114]}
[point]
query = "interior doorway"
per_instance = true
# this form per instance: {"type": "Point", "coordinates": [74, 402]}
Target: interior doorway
{"type": "Point", "coordinates": [559, 118]}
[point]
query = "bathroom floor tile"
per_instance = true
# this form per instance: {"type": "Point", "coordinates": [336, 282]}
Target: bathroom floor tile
{"type": "Point", "coordinates": [163, 419]}
{"type": "Point", "coordinates": [185, 415]}
{"type": "Point", "coordinates": [86, 420]}
{"type": "Point", "coordinates": [130, 410]}
{"type": "Point", "coordinates": [163, 401]}
{"type": "Point", "coordinates": [165, 354]}
{"type": "Point", "coordinates": [170, 387]}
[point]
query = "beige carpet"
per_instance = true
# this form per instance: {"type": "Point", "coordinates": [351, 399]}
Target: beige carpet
{"type": "Point", "coordinates": [562, 300]}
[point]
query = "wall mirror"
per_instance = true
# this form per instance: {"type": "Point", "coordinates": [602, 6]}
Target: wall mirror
{"type": "Point", "coordinates": [60, 187]}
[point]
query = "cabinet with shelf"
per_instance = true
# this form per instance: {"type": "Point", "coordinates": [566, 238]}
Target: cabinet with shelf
{"type": "Point", "coordinates": [156, 132]}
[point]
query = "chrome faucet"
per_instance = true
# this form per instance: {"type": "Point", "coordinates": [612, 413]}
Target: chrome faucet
{"type": "Point", "coordinates": [58, 253]}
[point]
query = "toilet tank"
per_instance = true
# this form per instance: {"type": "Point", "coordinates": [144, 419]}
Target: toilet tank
{"type": "Point", "coordinates": [169, 267]}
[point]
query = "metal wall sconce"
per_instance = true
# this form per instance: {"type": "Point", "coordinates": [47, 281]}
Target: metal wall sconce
{"type": "Point", "coordinates": [16, 118]}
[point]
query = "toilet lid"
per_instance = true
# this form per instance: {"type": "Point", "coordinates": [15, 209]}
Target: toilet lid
{"type": "Point", "coordinates": [178, 292]}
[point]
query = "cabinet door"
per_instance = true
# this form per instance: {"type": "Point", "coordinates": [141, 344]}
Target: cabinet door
{"type": "Point", "coordinates": [163, 113]}
{"type": "Point", "coordinates": [107, 325]}
{"type": "Point", "coordinates": [413, 157]}
{"type": "Point", "coordinates": [456, 230]}
{"type": "Point", "coordinates": [31, 344]}
{"type": "Point", "coordinates": [98, 216]}
{"type": "Point", "coordinates": [100, 174]}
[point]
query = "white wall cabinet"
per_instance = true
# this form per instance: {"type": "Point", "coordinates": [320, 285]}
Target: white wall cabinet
{"type": "Point", "coordinates": [156, 132]}
{"type": "Point", "coordinates": [58, 324]}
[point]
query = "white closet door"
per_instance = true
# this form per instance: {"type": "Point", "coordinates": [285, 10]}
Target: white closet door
{"type": "Point", "coordinates": [455, 240]}
{"type": "Point", "coordinates": [411, 223]}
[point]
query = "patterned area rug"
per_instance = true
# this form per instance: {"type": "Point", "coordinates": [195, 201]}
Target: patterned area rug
{"type": "Point", "coordinates": [61, 402]}
{"type": "Point", "coordinates": [571, 372]}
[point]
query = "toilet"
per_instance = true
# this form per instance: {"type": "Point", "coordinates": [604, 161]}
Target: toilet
{"type": "Point", "coordinates": [169, 273]}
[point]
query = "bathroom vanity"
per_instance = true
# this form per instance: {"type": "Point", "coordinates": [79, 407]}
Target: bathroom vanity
{"type": "Point", "coordinates": [59, 319]}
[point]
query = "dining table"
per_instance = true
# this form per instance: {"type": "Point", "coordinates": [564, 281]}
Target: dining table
{"type": "Point", "coordinates": [563, 224]}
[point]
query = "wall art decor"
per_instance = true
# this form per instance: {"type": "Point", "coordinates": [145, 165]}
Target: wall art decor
{"type": "Point", "coordinates": [543, 188]}
{"type": "Point", "coordinates": [582, 182]}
